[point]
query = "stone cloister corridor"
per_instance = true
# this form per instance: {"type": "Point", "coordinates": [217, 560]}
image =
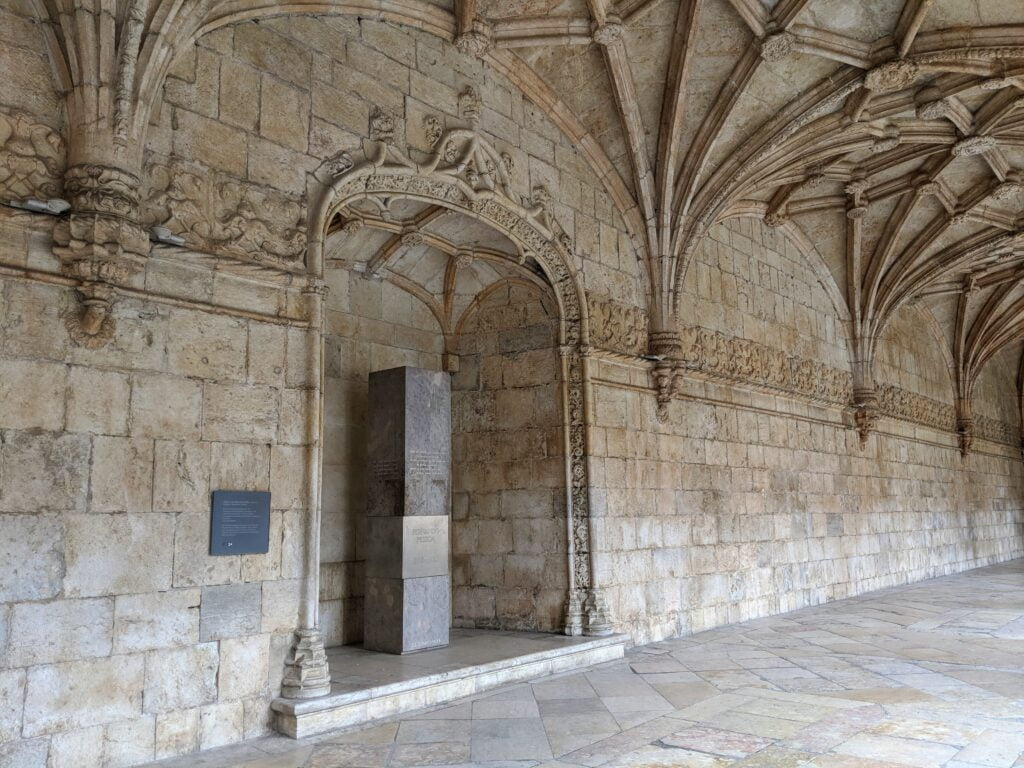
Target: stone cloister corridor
{"type": "Point", "coordinates": [511, 383]}
{"type": "Point", "coordinates": [925, 675]}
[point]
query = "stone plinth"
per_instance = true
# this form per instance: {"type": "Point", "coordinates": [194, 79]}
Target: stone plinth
{"type": "Point", "coordinates": [409, 486]}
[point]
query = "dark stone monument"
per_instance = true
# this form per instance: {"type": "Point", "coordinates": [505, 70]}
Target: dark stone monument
{"type": "Point", "coordinates": [408, 498]}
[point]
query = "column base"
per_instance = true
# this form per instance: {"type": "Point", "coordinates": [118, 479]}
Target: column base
{"type": "Point", "coordinates": [306, 673]}
{"type": "Point", "coordinates": [595, 614]}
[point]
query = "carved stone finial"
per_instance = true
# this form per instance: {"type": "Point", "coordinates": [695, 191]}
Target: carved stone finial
{"type": "Point", "coordinates": [610, 32]}
{"type": "Point", "coordinates": [477, 40]}
{"type": "Point", "coordinates": [382, 125]}
{"type": "Point", "coordinates": [432, 129]}
{"type": "Point", "coordinates": [973, 146]}
{"type": "Point", "coordinates": [778, 46]}
{"type": "Point", "coordinates": [470, 106]}
{"type": "Point", "coordinates": [338, 163]}
{"type": "Point", "coordinates": [892, 76]}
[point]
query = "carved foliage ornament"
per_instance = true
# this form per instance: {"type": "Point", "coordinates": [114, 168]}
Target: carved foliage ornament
{"type": "Point", "coordinates": [219, 214]}
{"type": "Point", "coordinates": [31, 158]}
{"type": "Point", "coordinates": [616, 326]}
{"type": "Point", "coordinates": [778, 46]}
{"type": "Point", "coordinates": [716, 354]}
{"type": "Point", "coordinates": [973, 146]}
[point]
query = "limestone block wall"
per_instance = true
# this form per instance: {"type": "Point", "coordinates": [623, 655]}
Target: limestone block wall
{"type": "Point", "coordinates": [121, 639]}
{"type": "Point", "coordinates": [510, 568]}
{"type": "Point", "coordinates": [752, 500]}
{"type": "Point", "coordinates": [261, 103]}
{"type": "Point", "coordinates": [372, 325]}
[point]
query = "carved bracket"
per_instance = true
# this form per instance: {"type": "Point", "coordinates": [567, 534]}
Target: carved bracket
{"type": "Point", "coordinates": [92, 326]}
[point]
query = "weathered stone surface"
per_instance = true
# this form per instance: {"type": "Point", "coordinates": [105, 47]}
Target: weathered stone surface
{"type": "Point", "coordinates": [52, 472]}
{"type": "Point", "coordinates": [77, 748]}
{"type": "Point", "coordinates": [156, 620]}
{"type": "Point", "coordinates": [63, 630]}
{"type": "Point", "coordinates": [240, 413]}
{"type": "Point", "coordinates": [97, 401]}
{"type": "Point", "coordinates": [281, 601]}
{"type": "Point", "coordinates": [288, 476]}
{"type": "Point", "coordinates": [77, 694]}
{"type": "Point", "coordinates": [104, 553]}
{"type": "Point", "coordinates": [193, 564]}
{"type": "Point", "coordinates": [12, 694]}
{"type": "Point", "coordinates": [207, 346]}
{"type": "Point", "coordinates": [230, 611]}
{"type": "Point", "coordinates": [129, 743]}
{"type": "Point", "coordinates": [24, 754]}
{"type": "Point", "coordinates": [181, 476]}
{"type": "Point", "coordinates": [244, 667]}
{"type": "Point", "coordinates": [32, 394]}
{"type": "Point", "coordinates": [177, 733]}
{"type": "Point", "coordinates": [240, 467]}
{"type": "Point", "coordinates": [31, 557]}
{"type": "Point", "coordinates": [220, 724]}
{"type": "Point", "coordinates": [166, 407]}
{"type": "Point", "coordinates": [180, 678]}
{"type": "Point", "coordinates": [122, 475]}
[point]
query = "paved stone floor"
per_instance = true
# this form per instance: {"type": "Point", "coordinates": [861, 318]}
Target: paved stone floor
{"type": "Point", "coordinates": [930, 674]}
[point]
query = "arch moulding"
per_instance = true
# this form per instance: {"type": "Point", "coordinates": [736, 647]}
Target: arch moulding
{"type": "Point", "coordinates": [465, 173]}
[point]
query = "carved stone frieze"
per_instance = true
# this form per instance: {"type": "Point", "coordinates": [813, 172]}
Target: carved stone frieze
{"type": "Point", "coordinates": [219, 214]}
{"type": "Point", "coordinates": [729, 357]}
{"type": "Point", "coordinates": [31, 158]}
{"type": "Point", "coordinates": [616, 326]}
{"type": "Point", "coordinates": [909, 406]}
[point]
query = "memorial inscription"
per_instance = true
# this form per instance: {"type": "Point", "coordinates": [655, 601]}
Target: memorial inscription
{"type": "Point", "coordinates": [240, 523]}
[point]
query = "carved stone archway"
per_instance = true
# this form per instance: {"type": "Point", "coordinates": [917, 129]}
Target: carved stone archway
{"type": "Point", "coordinates": [465, 173]}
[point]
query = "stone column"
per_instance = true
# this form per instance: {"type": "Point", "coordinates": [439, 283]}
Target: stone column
{"type": "Point", "coordinates": [408, 599]}
{"type": "Point", "coordinates": [306, 673]}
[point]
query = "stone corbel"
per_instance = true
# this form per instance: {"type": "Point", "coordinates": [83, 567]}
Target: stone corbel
{"type": "Point", "coordinates": [477, 40]}
{"type": "Point", "coordinates": [965, 434]}
{"type": "Point", "coordinates": [866, 412]}
{"type": "Point", "coordinates": [100, 244]}
{"type": "Point", "coordinates": [666, 349]}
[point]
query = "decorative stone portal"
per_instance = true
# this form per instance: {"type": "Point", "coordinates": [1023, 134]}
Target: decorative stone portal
{"type": "Point", "coordinates": [408, 598]}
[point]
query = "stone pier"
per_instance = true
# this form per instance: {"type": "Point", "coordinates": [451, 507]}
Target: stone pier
{"type": "Point", "coordinates": [408, 603]}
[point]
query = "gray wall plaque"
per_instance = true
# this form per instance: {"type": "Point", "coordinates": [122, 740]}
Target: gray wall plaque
{"type": "Point", "coordinates": [240, 523]}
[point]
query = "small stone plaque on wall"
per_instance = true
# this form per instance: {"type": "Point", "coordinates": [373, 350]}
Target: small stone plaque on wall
{"type": "Point", "coordinates": [240, 523]}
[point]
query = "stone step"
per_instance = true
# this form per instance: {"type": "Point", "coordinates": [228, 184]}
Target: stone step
{"type": "Point", "coordinates": [368, 686]}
